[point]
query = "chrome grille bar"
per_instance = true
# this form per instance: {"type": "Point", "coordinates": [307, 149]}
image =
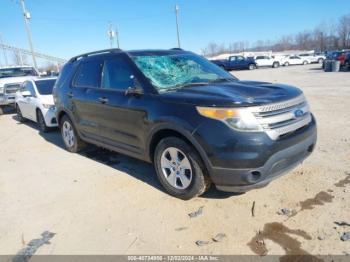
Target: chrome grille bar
{"type": "Point", "coordinates": [280, 118]}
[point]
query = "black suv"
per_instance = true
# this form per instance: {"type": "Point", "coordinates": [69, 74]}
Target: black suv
{"type": "Point", "coordinates": [197, 123]}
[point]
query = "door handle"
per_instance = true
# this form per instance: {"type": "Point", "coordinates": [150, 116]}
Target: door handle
{"type": "Point", "coordinates": [70, 94]}
{"type": "Point", "coordinates": [103, 100]}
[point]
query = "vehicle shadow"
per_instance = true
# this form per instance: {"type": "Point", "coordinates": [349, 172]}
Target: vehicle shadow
{"type": "Point", "coordinates": [316, 68]}
{"type": "Point", "coordinates": [138, 169]}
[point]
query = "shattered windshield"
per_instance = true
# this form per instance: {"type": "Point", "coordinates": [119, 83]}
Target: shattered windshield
{"type": "Point", "coordinates": [173, 71]}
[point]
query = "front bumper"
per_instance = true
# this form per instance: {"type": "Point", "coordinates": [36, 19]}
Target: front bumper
{"type": "Point", "coordinates": [50, 117]}
{"type": "Point", "coordinates": [7, 99]}
{"type": "Point", "coordinates": [248, 161]}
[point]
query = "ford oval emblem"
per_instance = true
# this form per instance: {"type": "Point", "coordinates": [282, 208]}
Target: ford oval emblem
{"type": "Point", "coordinates": [298, 113]}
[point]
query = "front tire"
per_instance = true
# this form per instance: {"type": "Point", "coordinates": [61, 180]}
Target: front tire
{"type": "Point", "coordinates": [320, 60]}
{"type": "Point", "coordinates": [305, 63]}
{"type": "Point", "coordinates": [179, 169]}
{"type": "Point", "coordinates": [41, 122]}
{"type": "Point", "coordinates": [275, 64]}
{"type": "Point", "coordinates": [286, 64]}
{"type": "Point", "coordinates": [1, 110]}
{"type": "Point", "coordinates": [71, 139]}
{"type": "Point", "coordinates": [252, 67]}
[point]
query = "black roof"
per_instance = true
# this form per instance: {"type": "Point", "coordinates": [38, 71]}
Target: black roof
{"type": "Point", "coordinates": [130, 52]}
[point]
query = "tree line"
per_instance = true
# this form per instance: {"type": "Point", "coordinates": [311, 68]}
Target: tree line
{"type": "Point", "coordinates": [326, 36]}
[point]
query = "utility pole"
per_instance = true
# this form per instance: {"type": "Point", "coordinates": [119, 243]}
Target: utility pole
{"type": "Point", "coordinates": [177, 25]}
{"type": "Point", "coordinates": [111, 34]}
{"type": "Point", "coordinates": [26, 16]}
{"type": "Point", "coordinates": [4, 52]}
{"type": "Point", "coordinates": [117, 35]}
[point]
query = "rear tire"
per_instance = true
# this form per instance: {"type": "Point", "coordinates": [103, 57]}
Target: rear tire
{"type": "Point", "coordinates": [1, 110]}
{"type": "Point", "coordinates": [71, 139]}
{"type": "Point", "coordinates": [19, 114]}
{"type": "Point", "coordinates": [320, 60]}
{"type": "Point", "coordinates": [182, 173]}
{"type": "Point", "coordinates": [275, 64]}
{"type": "Point", "coordinates": [41, 122]}
{"type": "Point", "coordinates": [286, 64]}
{"type": "Point", "coordinates": [305, 63]}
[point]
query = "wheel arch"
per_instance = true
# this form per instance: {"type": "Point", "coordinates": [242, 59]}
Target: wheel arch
{"type": "Point", "coordinates": [168, 131]}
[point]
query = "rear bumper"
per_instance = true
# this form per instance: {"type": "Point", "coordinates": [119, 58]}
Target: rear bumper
{"type": "Point", "coordinates": [254, 162]}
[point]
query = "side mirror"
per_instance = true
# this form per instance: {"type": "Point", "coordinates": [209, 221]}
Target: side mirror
{"type": "Point", "coordinates": [135, 89]}
{"type": "Point", "coordinates": [26, 93]}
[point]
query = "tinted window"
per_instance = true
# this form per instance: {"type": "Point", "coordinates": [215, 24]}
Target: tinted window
{"type": "Point", "coordinates": [17, 71]}
{"type": "Point", "coordinates": [88, 74]}
{"type": "Point", "coordinates": [45, 86]}
{"type": "Point", "coordinates": [117, 74]}
{"type": "Point", "coordinates": [260, 57]}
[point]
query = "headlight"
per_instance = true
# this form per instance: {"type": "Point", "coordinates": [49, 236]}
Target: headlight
{"type": "Point", "coordinates": [237, 118]}
{"type": "Point", "coordinates": [48, 106]}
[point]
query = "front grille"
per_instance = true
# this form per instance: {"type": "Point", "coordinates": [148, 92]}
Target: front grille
{"type": "Point", "coordinates": [281, 118]}
{"type": "Point", "coordinates": [12, 88]}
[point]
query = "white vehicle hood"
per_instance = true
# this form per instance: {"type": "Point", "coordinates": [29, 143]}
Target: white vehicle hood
{"type": "Point", "coordinates": [18, 79]}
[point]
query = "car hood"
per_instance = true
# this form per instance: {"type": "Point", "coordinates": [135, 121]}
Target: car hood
{"type": "Point", "coordinates": [19, 79]}
{"type": "Point", "coordinates": [238, 93]}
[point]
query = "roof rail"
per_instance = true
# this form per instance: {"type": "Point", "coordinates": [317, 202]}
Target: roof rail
{"type": "Point", "coordinates": [112, 50]}
{"type": "Point", "coordinates": [176, 48]}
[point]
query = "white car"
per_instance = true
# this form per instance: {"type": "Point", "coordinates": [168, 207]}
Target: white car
{"type": "Point", "coordinates": [313, 58]}
{"type": "Point", "coordinates": [265, 60]}
{"type": "Point", "coordinates": [294, 60]}
{"type": "Point", "coordinates": [34, 101]}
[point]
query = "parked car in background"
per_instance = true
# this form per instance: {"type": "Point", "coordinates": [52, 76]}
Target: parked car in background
{"type": "Point", "coordinates": [236, 62]}
{"type": "Point", "coordinates": [336, 56]}
{"type": "Point", "coordinates": [294, 60]}
{"type": "Point", "coordinates": [313, 58]}
{"type": "Point", "coordinates": [347, 61]}
{"type": "Point", "coordinates": [34, 101]}
{"type": "Point", "coordinates": [11, 79]}
{"type": "Point", "coordinates": [195, 122]}
{"type": "Point", "coordinates": [265, 60]}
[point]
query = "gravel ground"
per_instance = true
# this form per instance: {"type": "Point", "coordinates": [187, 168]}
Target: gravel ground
{"type": "Point", "coordinates": [97, 202]}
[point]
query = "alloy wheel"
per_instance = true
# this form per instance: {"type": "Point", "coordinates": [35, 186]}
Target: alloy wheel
{"type": "Point", "coordinates": [176, 168]}
{"type": "Point", "coordinates": [68, 134]}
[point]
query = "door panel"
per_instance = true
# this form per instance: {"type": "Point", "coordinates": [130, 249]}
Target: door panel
{"type": "Point", "coordinates": [123, 121]}
{"type": "Point", "coordinates": [83, 98]}
{"type": "Point", "coordinates": [87, 113]}
{"type": "Point", "coordinates": [31, 108]}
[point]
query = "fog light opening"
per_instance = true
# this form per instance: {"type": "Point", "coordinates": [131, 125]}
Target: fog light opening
{"type": "Point", "coordinates": [255, 176]}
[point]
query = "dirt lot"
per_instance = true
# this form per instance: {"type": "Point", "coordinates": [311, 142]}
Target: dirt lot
{"type": "Point", "coordinates": [104, 203]}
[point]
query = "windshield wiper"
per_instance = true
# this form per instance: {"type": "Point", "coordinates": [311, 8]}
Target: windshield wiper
{"type": "Point", "coordinates": [223, 79]}
{"type": "Point", "coordinates": [180, 86]}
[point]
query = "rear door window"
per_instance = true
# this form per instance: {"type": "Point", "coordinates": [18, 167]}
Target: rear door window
{"type": "Point", "coordinates": [89, 74]}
